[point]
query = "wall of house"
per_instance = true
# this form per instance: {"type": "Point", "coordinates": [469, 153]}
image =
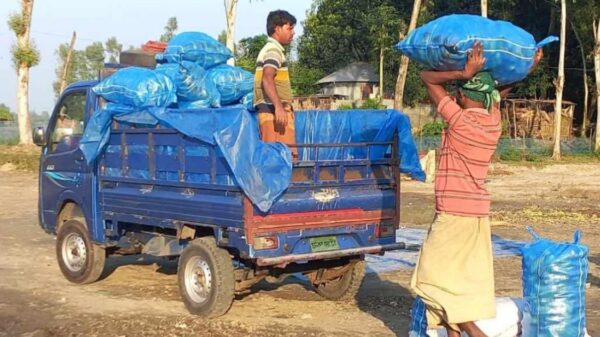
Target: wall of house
{"type": "Point", "coordinates": [353, 90]}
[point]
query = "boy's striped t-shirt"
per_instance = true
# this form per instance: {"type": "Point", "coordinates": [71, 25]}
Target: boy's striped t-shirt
{"type": "Point", "coordinates": [272, 55]}
{"type": "Point", "coordinates": [468, 144]}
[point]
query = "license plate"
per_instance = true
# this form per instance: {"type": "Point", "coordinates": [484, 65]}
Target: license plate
{"type": "Point", "coordinates": [323, 244]}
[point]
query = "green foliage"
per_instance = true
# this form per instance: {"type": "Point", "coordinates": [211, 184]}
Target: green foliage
{"type": "Point", "coordinates": [432, 129]}
{"type": "Point", "coordinates": [86, 63]}
{"type": "Point", "coordinates": [247, 51]}
{"type": "Point", "coordinates": [5, 113]}
{"type": "Point", "coordinates": [27, 55]}
{"type": "Point", "coordinates": [222, 37]}
{"type": "Point", "coordinates": [23, 54]}
{"type": "Point", "coordinates": [304, 79]}
{"type": "Point", "coordinates": [113, 49]}
{"type": "Point", "coordinates": [17, 23]}
{"type": "Point", "coordinates": [170, 29]}
{"type": "Point", "coordinates": [346, 106]}
{"type": "Point", "coordinates": [372, 103]}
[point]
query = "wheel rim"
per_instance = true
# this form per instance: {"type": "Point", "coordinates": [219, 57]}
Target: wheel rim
{"type": "Point", "coordinates": [74, 252]}
{"type": "Point", "coordinates": [198, 279]}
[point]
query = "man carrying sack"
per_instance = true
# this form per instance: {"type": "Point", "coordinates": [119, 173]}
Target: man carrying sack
{"type": "Point", "coordinates": [454, 275]}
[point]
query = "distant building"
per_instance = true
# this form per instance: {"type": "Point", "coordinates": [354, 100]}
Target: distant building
{"type": "Point", "coordinates": [357, 81]}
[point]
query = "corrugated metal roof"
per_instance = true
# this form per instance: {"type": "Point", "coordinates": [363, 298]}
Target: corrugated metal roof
{"type": "Point", "coordinates": [355, 72]}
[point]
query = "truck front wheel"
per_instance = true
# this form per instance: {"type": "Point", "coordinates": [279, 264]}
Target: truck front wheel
{"type": "Point", "coordinates": [205, 277]}
{"type": "Point", "coordinates": [345, 287]}
{"type": "Point", "coordinates": [80, 260]}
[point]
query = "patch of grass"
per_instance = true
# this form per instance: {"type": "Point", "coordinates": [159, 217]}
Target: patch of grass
{"type": "Point", "coordinates": [9, 141]}
{"type": "Point", "coordinates": [25, 158]}
{"type": "Point", "coordinates": [540, 215]}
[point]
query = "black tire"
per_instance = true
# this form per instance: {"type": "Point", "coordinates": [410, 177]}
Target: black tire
{"type": "Point", "coordinates": [80, 260]}
{"type": "Point", "coordinates": [346, 286]}
{"type": "Point", "coordinates": [202, 261]}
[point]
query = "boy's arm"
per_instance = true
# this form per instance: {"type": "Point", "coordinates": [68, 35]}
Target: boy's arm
{"type": "Point", "coordinates": [434, 80]}
{"type": "Point", "coordinates": [268, 83]}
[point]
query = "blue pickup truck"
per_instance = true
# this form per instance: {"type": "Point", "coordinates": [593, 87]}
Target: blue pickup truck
{"type": "Point", "coordinates": [155, 191]}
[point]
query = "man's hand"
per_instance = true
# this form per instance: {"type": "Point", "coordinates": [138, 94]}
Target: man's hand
{"type": "Point", "coordinates": [280, 119]}
{"type": "Point", "coordinates": [475, 61]}
{"type": "Point", "coordinates": [539, 54]}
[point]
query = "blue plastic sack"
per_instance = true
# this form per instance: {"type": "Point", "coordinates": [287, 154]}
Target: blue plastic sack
{"type": "Point", "coordinates": [442, 44]}
{"type": "Point", "coordinates": [554, 278]}
{"type": "Point", "coordinates": [418, 319]}
{"type": "Point", "coordinates": [248, 101]}
{"type": "Point", "coordinates": [137, 87]}
{"type": "Point", "coordinates": [233, 83]}
{"type": "Point", "coordinates": [196, 47]}
{"type": "Point", "coordinates": [190, 82]}
{"type": "Point", "coordinates": [199, 104]}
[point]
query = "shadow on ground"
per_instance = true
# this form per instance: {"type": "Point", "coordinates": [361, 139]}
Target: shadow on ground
{"type": "Point", "coordinates": [387, 301]}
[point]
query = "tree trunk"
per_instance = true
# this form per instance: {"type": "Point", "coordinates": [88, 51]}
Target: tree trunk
{"type": "Point", "coordinates": [381, 58]}
{"type": "Point", "coordinates": [484, 8]}
{"type": "Point", "coordinates": [399, 92]}
{"type": "Point", "coordinates": [23, 105]}
{"type": "Point", "coordinates": [230, 13]}
{"type": "Point", "coordinates": [23, 78]}
{"type": "Point", "coordinates": [65, 72]}
{"type": "Point", "coordinates": [596, 28]}
{"type": "Point", "coordinates": [560, 80]}
{"type": "Point", "coordinates": [585, 80]}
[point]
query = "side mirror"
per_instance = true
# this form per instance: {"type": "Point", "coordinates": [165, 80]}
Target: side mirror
{"type": "Point", "coordinates": [39, 136]}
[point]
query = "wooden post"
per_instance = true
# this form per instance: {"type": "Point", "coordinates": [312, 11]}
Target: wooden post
{"type": "Point", "coordinates": [65, 72]}
{"type": "Point", "coordinates": [560, 80]}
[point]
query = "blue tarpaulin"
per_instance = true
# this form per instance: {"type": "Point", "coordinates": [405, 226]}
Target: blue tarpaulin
{"type": "Point", "coordinates": [263, 170]}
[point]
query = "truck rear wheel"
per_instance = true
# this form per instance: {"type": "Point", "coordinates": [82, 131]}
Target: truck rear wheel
{"type": "Point", "coordinates": [205, 277]}
{"type": "Point", "coordinates": [80, 260]}
{"type": "Point", "coordinates": [345, 287]}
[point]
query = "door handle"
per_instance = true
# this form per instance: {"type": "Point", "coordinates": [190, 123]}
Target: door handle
{"type": "Point", "coordinates": [79, 159]}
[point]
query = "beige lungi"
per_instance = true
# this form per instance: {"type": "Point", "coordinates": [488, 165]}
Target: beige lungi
{"type": "Point", "coordinates": [455, 274]}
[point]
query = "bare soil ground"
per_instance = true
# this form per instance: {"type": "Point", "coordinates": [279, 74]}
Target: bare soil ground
{"type": "Point", "coordinates": [139, 297]}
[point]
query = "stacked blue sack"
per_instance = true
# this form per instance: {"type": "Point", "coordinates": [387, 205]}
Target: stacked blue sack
{"type": "Point", "coordinates": [191, 74]}
{"type": "Point", "coordinates": [443, 44]}
{"type": "Point", "coordinates": [137, 87]}
{"type": "Point", "coordinates": [218, 85]}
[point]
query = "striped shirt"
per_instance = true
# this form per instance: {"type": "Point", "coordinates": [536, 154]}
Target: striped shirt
{"type": "Point", "coordinates": [467, 148]}
{"type": "Point", "coordinates": [272, 55]}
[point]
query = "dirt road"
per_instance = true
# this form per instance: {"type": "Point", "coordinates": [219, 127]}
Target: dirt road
{"type": "Point", "coordinates": [139, 296]}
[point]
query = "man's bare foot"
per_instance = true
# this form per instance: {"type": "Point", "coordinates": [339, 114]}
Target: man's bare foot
{"type": "Point", "coordinates": [451, 332]}
{"type": "Point", "coordinates": [471, 329]}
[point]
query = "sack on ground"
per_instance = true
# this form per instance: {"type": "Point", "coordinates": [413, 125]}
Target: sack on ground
{"type": "Point", "coordinates": [442, 44]}
{"type": "Point", "coordinates": [190, 82]}
{"type": "Point", "coordinates": [554, 279]}
{"type": "Point", "coordinates": [137, 87]}
{"type": "Point", "coordinates": [232, 82]}
{"type": "Point", "coordinates": [196, 47]}
{"type": "Point", "coordinates": [509, 313]}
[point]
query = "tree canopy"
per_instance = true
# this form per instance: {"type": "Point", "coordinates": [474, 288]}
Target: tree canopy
{"type": "Point", "coordinates": [87, 62]}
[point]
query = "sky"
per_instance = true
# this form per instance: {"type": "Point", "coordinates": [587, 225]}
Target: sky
{"type": "Point", "coordinates": [132, 22]}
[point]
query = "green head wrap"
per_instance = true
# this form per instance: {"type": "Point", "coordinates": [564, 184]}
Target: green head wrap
{"type": "Point", "coordinates": [481, 88]}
